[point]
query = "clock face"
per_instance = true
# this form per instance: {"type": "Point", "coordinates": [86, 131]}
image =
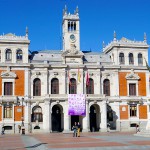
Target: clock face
{"type": "Point", "coordinates": [72, 37]}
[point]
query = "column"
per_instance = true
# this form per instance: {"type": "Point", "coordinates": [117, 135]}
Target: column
{"type": "Point", "coordinates": [103, 126]}
{"type": "Point", "coordinates": [67, 123]}
{"type": "Point", "coordinates": [47, 116]}
{"type": "Point", "coordinates": [85, 126]}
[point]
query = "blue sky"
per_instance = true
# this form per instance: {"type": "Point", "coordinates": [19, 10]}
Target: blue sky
{"type": "Point", "coordinates": [98, 20]}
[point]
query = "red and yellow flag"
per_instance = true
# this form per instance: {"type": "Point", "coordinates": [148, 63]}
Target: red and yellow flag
{"type": "Point", "coordinates": [79, 76]}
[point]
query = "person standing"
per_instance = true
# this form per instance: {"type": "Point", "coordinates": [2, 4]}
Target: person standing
{"type": "Point", "coordinates": [75, 127]}
{"type": "Point", "coordinates": [79, 127]}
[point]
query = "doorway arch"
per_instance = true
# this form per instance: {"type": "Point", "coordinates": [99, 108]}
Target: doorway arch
{"type": "Point", "coordinates": [56, 118]}
{"type": "Point", "coordinates": [94, 118]}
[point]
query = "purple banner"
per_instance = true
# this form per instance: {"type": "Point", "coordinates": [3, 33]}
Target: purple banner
{"type": "Point", "coordinates": [76, 104]}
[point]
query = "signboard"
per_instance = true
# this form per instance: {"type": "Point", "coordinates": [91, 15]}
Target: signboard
{"type": "Point", "coordinates": [76, 104]}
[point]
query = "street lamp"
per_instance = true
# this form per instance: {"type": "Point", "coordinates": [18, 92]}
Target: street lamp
{"type": "Point", "coordinates": [22, 118]}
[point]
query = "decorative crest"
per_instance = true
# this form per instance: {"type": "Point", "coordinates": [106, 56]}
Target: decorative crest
{"type": "Point", "coordinates": [27, 31]}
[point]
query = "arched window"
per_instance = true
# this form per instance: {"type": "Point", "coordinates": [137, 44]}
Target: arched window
{"type": "Point", "coordinates": [131, 59]}
{"type": "Point", "coordinates": [19, 55]}
{"type": "Point", "coordinates": [140, 59]}
{"type": "Point", "coordinates": [90, 87]}
{"type": "Point", "coordinates": [106, 87]}
{"type": "Point", "coordinates": [37, 114]}
{"type": "Point", "coordinates": [37, 87]}
{"type": "Point", "coordinates": [72, 86]}
{"type": "Point", "coordinates": [8, 55]}
{"type": "Point", "coordinates": [121, 58]}
{"type": "Point", "coordinates": [54, 86]}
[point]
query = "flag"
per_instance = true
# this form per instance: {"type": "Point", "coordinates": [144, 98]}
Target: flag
{"type": "Point", "coordinates": [87, 78]}
{"type": "Point", "coordinates": [79, 76]}
{"type": "Point", "coordinates": [147, 65]}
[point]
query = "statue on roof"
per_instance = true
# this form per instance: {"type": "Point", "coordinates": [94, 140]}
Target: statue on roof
{"type": "Point", "coordinates": [65, 10]}
{"type": "Point", "coordinates": [77, 10]}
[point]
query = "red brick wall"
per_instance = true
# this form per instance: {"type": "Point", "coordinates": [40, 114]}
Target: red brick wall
{"type": "Point", "coordinates": [142, 112]}
{"type": "Point", "coordinates": [124, 112]}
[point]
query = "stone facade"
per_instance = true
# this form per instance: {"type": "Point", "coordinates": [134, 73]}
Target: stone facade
{"type": "Point", "coordinates": [35, 86]}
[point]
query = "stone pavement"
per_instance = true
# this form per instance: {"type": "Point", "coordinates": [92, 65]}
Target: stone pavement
{"type": "Point", "coordinates": [87, 141]}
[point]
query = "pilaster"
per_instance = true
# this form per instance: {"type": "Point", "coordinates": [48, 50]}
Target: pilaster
{"type": "Point", "coordinates": [67, 120]}
{"type": "Point", "coordinates": [86, 126]}
{"type": "Point", "coordinates": [47, 116]}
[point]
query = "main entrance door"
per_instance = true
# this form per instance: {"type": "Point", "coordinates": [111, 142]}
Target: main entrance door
{"type": "Point", "coordinates": [56, 119]}
{"type": "Point", "coordinates": [74, 119]}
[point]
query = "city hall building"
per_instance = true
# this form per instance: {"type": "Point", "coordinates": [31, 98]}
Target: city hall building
{"type": "Point", "coordinates": [35, 87]}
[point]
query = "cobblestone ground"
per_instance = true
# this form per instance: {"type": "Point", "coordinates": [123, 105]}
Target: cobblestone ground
{"type": "Point", "coordinates": [87, 141]}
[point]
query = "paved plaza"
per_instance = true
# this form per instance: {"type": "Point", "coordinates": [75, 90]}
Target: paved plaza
{"type": "Point", "coordinates": [87, 141]}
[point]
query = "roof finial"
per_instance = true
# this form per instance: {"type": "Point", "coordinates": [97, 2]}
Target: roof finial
{"type": "Point", "coordinates": [65, 10]}
{"type": "Point", "coordinates": [114, 35]}
{"type": "Point", "coordinates": [145, 37]}
{"type": "Point", "coordinates": [77, 11]}
{"type": "Point", "coordinates": [27, 32]}
{"type": "Point", "coordinates": [103, 44]}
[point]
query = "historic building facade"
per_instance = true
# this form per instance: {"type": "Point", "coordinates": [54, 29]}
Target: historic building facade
{"type": "Point", "coordinates": [34, 87]}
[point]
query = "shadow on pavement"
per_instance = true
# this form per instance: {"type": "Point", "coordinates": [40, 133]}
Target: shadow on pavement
{"type": "Point", "coordinates": [36, 145]}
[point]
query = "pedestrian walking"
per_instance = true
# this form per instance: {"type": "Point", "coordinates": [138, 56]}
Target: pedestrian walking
{"type": "Point", "coordinates": [3, 131]}
{"type": "Point", "coordinates": [79, 127]}
{"type": "Point", "coordinates": [137, 128]}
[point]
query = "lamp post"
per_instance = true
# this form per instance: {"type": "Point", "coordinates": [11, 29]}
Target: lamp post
{"type": "Point", "coordinates": [22, 118]}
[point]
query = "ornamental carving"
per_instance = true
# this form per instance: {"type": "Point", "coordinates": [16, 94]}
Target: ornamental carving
{"type": "Point", "coordinates": [8, 74]}
{"type": "Point", "coordinates": [132, 76]}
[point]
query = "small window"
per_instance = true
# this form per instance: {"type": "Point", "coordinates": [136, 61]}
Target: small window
{"type": "Point", "coordinates": [8, 88]}
{"type": "Point", "coordinates": [54, 86]}
{"type": "Point", "coordinates": [37, 87]}
{"type": "Point", "coordinates": [133, 110]}
{"type": "Point", "coordinates": [72, 86]}
{"type": "Point", "coordinates": [90, 87]}
{"type": "Point", "coordinates": [140, 59]}
{"type": "Point", "coordinates": [131, 59]}
{"type": "Point", "coordinates": [19, 55]}
{"type": "Point", "coordinates": [132, 89]}
{"type": "Point", "coordinates": [121, 58]}
{"type": "Point", "coordinates": [106, 87]}
{"type": "Point", "coordinates": [8, 55]}
{"type": "Point", "coordinates": [8, 110]}
{"type": "Point", "coordinates": [37, 114]}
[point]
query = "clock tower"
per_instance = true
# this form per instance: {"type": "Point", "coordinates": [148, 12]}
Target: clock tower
{"type": "Point", "coordinates": [71, 31]}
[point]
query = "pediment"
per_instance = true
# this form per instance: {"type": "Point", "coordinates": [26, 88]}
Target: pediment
{"type": "Point", "coordinates": [9, 75]}
{"type": "Point", "coordinates": [132, 76]}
